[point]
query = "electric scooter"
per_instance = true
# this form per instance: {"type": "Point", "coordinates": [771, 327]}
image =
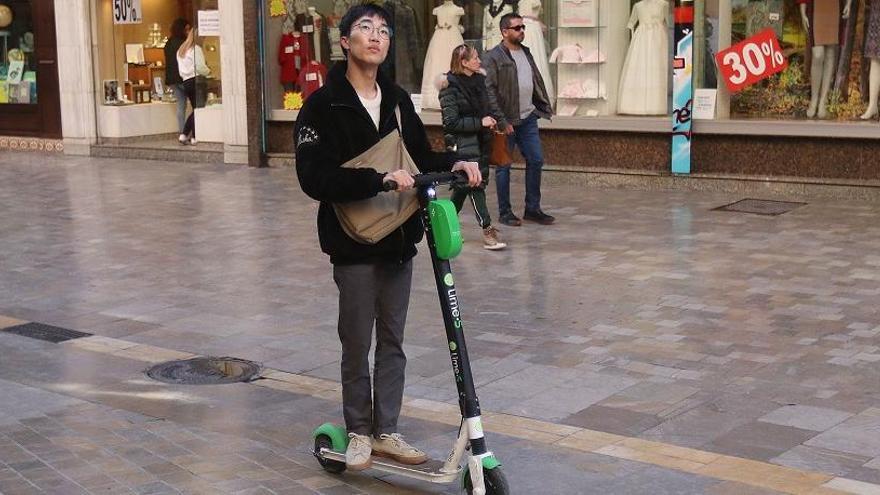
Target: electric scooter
{"type": "Point", "coordinates": [482, 474]}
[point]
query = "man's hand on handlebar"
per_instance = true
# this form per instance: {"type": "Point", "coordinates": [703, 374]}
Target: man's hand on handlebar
{"type": "Point", "coordinates": [402, 178]}
{"type": "Point", "coordinates": [472, 169]}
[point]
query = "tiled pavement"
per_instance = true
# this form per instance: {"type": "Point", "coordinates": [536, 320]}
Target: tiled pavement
{"type": "Point", "coordinates": [641, 314]}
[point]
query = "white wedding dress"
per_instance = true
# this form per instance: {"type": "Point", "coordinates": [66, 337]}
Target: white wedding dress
{"type": "Point", "coordinates": [447, 36]}
{"type": "Point", "coordinates": [530, 10]}
{"type": "Point", "coordinates": [492, 25]}
{"type": "Point", "coordinates": [644, 81]}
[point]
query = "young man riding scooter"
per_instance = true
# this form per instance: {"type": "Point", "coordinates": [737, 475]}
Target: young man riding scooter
{"type": "Point", "coordinates": [340, 121]}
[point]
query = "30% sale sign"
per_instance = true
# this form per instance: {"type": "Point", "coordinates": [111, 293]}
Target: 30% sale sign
{"type": "Point", "coordinates": [751, 60]}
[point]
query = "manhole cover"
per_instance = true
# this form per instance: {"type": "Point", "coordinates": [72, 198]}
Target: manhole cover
{"type": "Point", "coordinates": [48, 333]}
{"type": "Point", "coordinates": [205, 371]}
{"type": "Point", "coordinates": [761, 206]}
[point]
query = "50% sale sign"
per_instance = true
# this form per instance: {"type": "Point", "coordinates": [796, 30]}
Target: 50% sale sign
{"type": "Point", "coordinates": [751, 60]}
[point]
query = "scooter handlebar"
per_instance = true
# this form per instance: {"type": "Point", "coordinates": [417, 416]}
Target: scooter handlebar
{"type": "Point", "coordinates": [431, 179]}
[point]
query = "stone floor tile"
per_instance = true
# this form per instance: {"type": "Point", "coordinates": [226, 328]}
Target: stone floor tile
{"type": "Point", "coordinates": [613, 420]}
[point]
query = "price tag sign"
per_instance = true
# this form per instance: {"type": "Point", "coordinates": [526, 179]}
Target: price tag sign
{"type": "Point", "coordinates": [127, 12]}
{"type": "Point", "coordinates": [751, 60]}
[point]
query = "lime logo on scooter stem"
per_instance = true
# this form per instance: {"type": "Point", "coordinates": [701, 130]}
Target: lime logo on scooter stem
{"type": "Point", "coordinates": [452, 346]}
{"type": "Point", "coordinates": [448, 280]}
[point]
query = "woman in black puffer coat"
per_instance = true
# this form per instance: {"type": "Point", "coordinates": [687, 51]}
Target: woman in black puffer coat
{"type": "Point", "coordinates": [467, 128]}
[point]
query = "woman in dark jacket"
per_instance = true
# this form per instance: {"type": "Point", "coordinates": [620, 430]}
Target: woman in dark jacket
{"type": "Point", "coordinates": [467, 127]}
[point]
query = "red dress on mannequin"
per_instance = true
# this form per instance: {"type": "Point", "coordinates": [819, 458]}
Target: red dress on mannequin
{"type": "Point", "coordinates": [293, 55]}
{"type": "Point", "coordinates": [311, 78]}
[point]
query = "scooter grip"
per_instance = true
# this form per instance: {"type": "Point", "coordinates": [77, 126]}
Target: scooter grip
{"type": "Point", "coordinates": [389, 185]}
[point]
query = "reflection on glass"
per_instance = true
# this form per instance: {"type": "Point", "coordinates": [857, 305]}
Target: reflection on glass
{"type": "Point", "coordinates": [18, 74]}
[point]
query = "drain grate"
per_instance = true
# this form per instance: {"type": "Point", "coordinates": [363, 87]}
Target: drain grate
{"type": "Point", "coordinates": [48, 333]}
{"type": "Point", "coordinates": [761, 207]}
{"type": "Point", "coordinates": [205, 371]}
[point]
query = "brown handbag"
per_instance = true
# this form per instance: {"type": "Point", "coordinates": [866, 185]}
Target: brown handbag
{"type": "Point", "coordinates": [368, 221]}
{"type": "Point", "coordinates": [500, 154]}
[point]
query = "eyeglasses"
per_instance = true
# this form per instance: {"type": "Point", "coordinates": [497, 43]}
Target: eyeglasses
{"type": "Point", "coordinates": [368, 28]}
{"type": "Point", "coordinates": [521, 27]}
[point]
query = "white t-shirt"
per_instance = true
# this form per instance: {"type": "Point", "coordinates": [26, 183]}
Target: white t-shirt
{"type": "Point", "coordinates": [192, 64]}
{"type": "Point", "coordinates": [373, 106]}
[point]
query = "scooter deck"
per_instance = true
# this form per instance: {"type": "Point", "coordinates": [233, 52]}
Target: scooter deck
{"type": "Point", "coordinates": [428, 471]}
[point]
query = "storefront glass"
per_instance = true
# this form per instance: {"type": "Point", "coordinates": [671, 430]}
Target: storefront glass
{"type": "Point", "coordinates": [18, 65]}
{"type": "Point", "coordinates": [829, 46]}
{"type": "Point", "coordinates": [138, 94]}
{"type": "Point", "coordinates": [602, 58]}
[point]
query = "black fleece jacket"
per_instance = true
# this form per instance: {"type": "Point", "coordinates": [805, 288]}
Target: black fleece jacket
{"type": "Point", "coordinates": [334, 127]}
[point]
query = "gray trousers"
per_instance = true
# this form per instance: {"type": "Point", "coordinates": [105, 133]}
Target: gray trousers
{"type": "Point", "coordinates": [371, 294]}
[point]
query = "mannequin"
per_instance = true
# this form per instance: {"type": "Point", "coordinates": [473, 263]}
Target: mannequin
{"type": "Point", "coordinates": [447, 35]}
{"type": "Point", "coordinates": [821, 19]}
{"type": "Point", "coordinates": [644, 82]}
{"type": "Point", "coordinates": [872, 51]}
{"type": "Point", "coordinates": [492, 14]}
{"type": "Point", "coordinates": [534, 40]}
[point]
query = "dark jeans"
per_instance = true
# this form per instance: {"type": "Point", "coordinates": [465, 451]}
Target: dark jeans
{"type": "Point", "coordinates": [189, 88]}
{"type": "Point", "coordinates": [525, 137]}
{"type": "Point", "coordinates": [371, 294]}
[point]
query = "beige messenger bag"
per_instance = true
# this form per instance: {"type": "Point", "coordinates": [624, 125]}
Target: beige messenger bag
{"type": "Point", "coordinates": [368, 221]}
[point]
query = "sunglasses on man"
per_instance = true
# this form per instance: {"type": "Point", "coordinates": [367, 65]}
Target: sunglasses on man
{"type": "Point", "coordinates": [521, 27]}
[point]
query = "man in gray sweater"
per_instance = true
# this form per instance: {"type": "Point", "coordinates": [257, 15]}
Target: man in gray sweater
{"type": "Point", "coordinates": [517, 99]}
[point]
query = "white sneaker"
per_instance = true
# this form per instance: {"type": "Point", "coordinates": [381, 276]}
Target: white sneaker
{"type": "Point", "coordinates": [193, 142]}
{"type": "Point", "coordinates": [395, 447]}
{"type": "Point", "coordinates": [357, 455]}
{"type": "Point", "coordinates": [183, 138]}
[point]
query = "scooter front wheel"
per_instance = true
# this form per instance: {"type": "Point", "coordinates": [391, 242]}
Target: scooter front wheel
{"type": "Point", "coordinates": [493, 479]}
{"type": "Point", "coordinates": [331, 466]}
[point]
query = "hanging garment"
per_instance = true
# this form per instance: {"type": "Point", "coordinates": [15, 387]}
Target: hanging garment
{"type": "Point", "coordinates": [404, 61]}
{"type": "Point", "coordinates": [872, 33]}
{"type": "Point", "coordinates": [312, 78]}
{"type": "Point", "coordinates": [824, 16]}
{"type": "Point", "coordinates": [447, 35]}
{"type": "Point", "coordinates": [492, 22]}
{"type": "Point", "coordinates": [293, 55]}
{"type": "Point", "coordinates": [575, 54]}
{"type": "Point", "coordinates": [644, 79]}
{"type": "Point", "coordinates": [534, 40]}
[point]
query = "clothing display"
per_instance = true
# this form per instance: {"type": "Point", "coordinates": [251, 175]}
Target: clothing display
{"type": "Point", "coordinates": [644, 78]}
{"type": "Point", "coordinates": [293, 55]}
{"type": "Point", "coordinates": [534, 39]}
{"type": "Point", "coordinates": [447, 35]}
{"type": "Point", "coordinates": [761, 14]}
{"type": "Point", "coordinates": [588, 88]}
{"type": "Point", "coordinates": [872, 33]}
{"type": "Point", "coordinates": [406, 54]}
{"type": "Point", "coordinates": [575, 54]}
{"type": "Point", "coordinates": [311, 78]}
{"type": "Point", "coordinates": [824, 17]}
{"type": "Point", "coordinates": [491, 21]}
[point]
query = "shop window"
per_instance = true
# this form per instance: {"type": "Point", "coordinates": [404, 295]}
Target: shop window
{"type": "Point", "coordinates": [830, 55]}
{"type": "Point", "coordinates": [18, 65]}
{"type": "Point", "coordinates": [611, 56]}
{"type": "Point", "coordinates": [140, 91]}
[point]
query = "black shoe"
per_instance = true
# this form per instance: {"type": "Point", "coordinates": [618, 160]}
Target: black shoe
{"type": "Point", "coordinates": [538, 217]}
{"type": "Point", "coordinates": [510, 219]}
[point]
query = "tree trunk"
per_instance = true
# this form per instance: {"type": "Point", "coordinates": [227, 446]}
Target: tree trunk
{"type": "Point", "coordinates": [844, 63]}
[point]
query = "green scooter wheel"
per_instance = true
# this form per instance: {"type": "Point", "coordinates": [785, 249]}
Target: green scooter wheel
{"type": "Point", "coordinates": [331, 466]}
{"type": "Point", "coordinates": [494, 479]}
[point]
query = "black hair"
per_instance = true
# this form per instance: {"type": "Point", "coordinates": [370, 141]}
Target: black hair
{"type": "Point", "coordinates": [357, 11]}
{"type": "Point", "coordinates": [178, 28]}
{"type": "Point", "coordinates": [504, 23]}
